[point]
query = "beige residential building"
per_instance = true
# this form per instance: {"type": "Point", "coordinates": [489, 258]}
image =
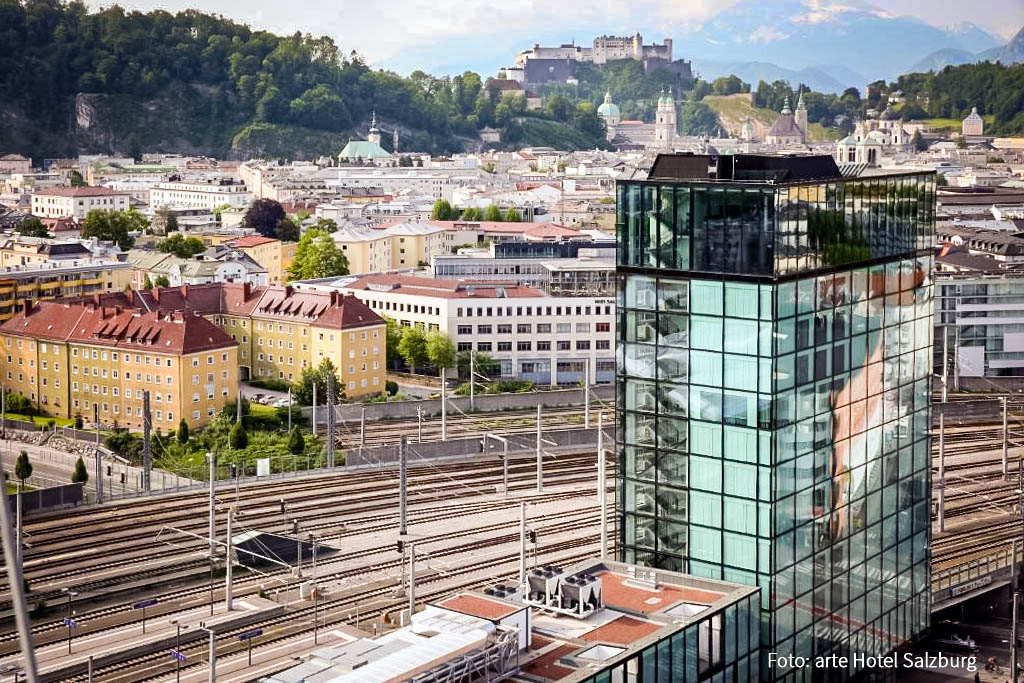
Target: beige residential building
{"type": "Point", "coordinates": [273, 254]}
{"type": "Point", "coordinates": [59, 279]}
{"type": "Point", "coordinates": [367, 251]}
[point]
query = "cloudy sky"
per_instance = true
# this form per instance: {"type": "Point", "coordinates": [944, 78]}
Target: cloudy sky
{"type": "Point", "coordinates": [446, 36]}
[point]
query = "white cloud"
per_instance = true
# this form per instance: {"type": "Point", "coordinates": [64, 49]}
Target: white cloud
{"type": "Point", "coordinates": [767, 34]}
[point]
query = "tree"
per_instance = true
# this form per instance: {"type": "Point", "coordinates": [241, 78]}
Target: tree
{"type": "Point", "coordinates": [310, 377]}
{"type": "Point", "coordinates": [296, 444]}
{"type": "Point", "coordinates": [125, 444]}
{"type": "Point", "coordinates": [440, 350]}
{"type": "Point", "coordinates": [75, 179]}
{"type": "Point", "coordinates": [288, 230]}
{"type": "Point", "coordinates": [263, 216]}
{"type": "Point", "coordinates": [22, 468]}
{"type": "Point", "coordinates": [181, 246]}
{"type": "Point", "coordinates": [183, 432]}
{"type": "Point", "coordinates": [32, 227]}
{"type": "Point", "coordinates": [696, 118]}
{"type": "Point", "coordinates": [19, 404]}
{"type": "Point", "coordinates": [165, 221]}
{"type": "Point", "coordinates": [413, 347]}
{"type": "Point", "coordinates": [513, 216]}
{"type": "Point", "coordinates": [482, 362]}
{"type": "Point", "coordinates": [493, 214]}
{"type": "Point", "coordinates": [729, 85]}
{"type": "Point", "coordinates": [80, 475]}
{"type": "Point", "coordinates": [219, 211]}
{"type": "Point", "coordinates": [443, 211]}
{"type": "Point", "coordinates": [238, 438]}
{"type": "Point", "coordinates": [113, 226]}
{"type": "Point", "coordinates": [393, 336]}
{"type": "Point", "coordinates": [960, 142]}
{"type": "Point", "coordinates": [919, 142]}
{"type": "Point", "coordinates": [162, 281]}
{"type": "Point", "coordinates": [317, 256]}
{"type": "Point", "coordinates": [472, 214]}
{"type": "Point", "coordinates": [147, 283]}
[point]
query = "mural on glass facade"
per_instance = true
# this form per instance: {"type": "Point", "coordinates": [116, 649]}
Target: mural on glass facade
{"type": "Point", "coordinates": [774, 399]}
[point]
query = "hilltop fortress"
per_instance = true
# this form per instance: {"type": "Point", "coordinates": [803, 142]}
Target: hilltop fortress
{"type": "Point", "coordinates": [541, 65]}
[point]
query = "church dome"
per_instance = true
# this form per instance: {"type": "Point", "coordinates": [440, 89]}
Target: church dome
{"type": "Point", "coordinates": [608, 108]}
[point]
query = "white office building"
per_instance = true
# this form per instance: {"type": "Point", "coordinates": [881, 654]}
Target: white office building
{"type": "Point", "coordinates": [532, 336]}
{"type": "Point", "coordinates": [200, 194]}
{"type": "Point", "coordinates": [77, 202]}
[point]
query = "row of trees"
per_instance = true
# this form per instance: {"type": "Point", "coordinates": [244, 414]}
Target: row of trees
{"type": "Point", "coordinates": [444, 211]}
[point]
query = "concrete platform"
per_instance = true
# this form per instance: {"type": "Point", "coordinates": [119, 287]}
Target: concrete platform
{"type": "Point", "coordinates": [117, 645]}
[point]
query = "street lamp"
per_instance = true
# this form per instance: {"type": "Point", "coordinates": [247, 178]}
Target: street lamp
{"type": "Point", "coordinates": [177, 651]}
{"type": "Point", "coordinates": [68, 620]}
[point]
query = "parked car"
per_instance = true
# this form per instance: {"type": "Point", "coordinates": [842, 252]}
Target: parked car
{"type": "Point", "coordinates": [955, 641]}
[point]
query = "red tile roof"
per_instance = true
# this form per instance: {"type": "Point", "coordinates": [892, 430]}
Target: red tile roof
{"type": "Point", "coordinates": [80, 192]}
{"type": "Point", "coordinates": [552, 231]}
{"type": "Point", "coordinates": [332, 310]}
{"type": "Point", "coordinates": [86, 323]}
{"type": "Point", "coordinates": [251, 241]}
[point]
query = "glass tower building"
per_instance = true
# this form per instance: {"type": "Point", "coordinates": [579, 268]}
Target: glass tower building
{"type": "Point", "coordinates": [773, 405]}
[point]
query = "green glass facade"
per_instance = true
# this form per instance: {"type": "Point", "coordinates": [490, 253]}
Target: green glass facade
{"type": "Point", "coordinates": [773, 404]}
{"type": "Point", "coordinates": [719, 648]}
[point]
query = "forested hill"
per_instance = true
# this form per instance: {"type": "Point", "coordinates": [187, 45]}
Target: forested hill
{"type": "Point", "coordinates": [128, 82]}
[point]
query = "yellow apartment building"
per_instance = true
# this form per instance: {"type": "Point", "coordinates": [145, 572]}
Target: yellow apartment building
{"type": "Point", "coordinates": [367, 251]}
{"type": "Point", "coordinates": [272, 254]}
{"type": "Point", "coordinates": [280, 331]}
{"type": "Point", "coordinates": [70, 358]}
{"type": "Point", "coordinates": [59, 279]}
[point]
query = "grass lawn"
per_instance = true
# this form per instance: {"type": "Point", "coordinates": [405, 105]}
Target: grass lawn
{"type": "Point", "coordinates": [42, 419]}
{"type": "Point", "coordinates": [13, 488]}
{"type": "Point", "coordinates": [260, 409]}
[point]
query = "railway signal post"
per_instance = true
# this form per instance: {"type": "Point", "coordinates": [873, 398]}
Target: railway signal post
{"type": "Point", "coordinates": [17, 588]}
{"type": "Point", "coordinates": [147, 453]}
{"type": "Point", "coordinates": [330, 420]}
{"type": "Point", "coordinates": [540, 463]}
{"type": "Point", "coordinates": [314, 408]}
{"type": "Point", "coordinates": [402, 483]}
{"type": "Point", "coordinates": [942, 472]}
{"type": "Point", "coordinates": [602, 486]}
{"type": "Point", "coordinates": [444, 409]}
{"type": "Point", "coordinates": [586, 395]}
{"type": "Point", "coordinates": [1006, 439]}
{"type": "Point", "coordinates": [228, 563]}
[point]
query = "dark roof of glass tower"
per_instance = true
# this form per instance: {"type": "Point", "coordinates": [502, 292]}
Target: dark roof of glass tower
{"type": "Point", "coordinates": [755, 168]}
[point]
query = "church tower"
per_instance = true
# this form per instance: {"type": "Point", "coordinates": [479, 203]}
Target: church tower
{"type": "Point", "coordinates": [394, 142]}
{"type": "Point", "coordinates": [665, 121]}
{"type": "Point", "coordinates": [374, 135]}
{"type": "Point", "coordinates": [800, 117]}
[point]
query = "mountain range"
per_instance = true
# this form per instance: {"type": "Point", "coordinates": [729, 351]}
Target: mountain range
{"type": "Point", "coordinates": [788, 39]}
{"type": "Point", "coordinates": [1010, 53]}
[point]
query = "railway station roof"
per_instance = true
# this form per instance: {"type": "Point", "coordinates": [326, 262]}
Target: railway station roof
{"type": "Point", "coordinates": [561, 642]}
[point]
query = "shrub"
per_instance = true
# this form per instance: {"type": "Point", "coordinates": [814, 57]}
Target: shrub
{"type": "Point", "coordinates": [80, 475]}
{"type": "Point", "coordinates": [183, 432]}
{"type": "Point", "coordinates": [78, 421]}
{"type": "Point", "coordinates": [271, 383]}
{"type": "Point", "coordinates": [239, 438]}
{"type": "Point", "coordinates": [296, 444]}
{"type": "Point", "coordinates": [391, 387]}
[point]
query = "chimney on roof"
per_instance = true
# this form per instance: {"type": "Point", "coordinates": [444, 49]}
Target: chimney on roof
{"type": "Point", "coordinates": [118, 310]}
{"type": "Point", "coordinates": [334, 297]}
{"type": "Point", "coordinates": [156, 294]}
{"type": "Point", "coordinates": [29, 308]}
{"type": "Point", "coordinates": [184, 290]}
{"type": "Point", "coordinates": [246, 290]}
{"type": "Point", "coordinates": [288, 290]}
{"type": "Point", "coordinates": [96, 299]}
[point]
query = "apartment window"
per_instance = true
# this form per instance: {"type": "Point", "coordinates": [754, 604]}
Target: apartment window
{"type": "Point", "coordinates": [603, 327]}
{"type": "Point", "coordinates": [504, 329]}
{"type": "Point", "coordinates": [583, 345]}
{"type": "Point", "coordinates": [582, 327]}
{"type": "Point", "coordinates": [564, 345]}
{"type": "Point", "coordinates": [465, 329]}
{"type": "Point", "coordinates": [524, 329]}
{"type": "Point", "coordinates": [563, 328]}
{"type": "Point", "coordinates": [483, 346]}
{"type": "Point", "coordinates": [543, 346]}
{"type": "Point", "coordinates": [543, 328]}
{"type": "Point", "coordinates": [483, 329]}
{"type": "Point", "coordinates": [602, 344]}
{"type": "Point", "coordinates": [464, 346]}
{"type": "Point", "coordinates": [504, 346]}
{"type": "Point", "coordinates": [524, 346]}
